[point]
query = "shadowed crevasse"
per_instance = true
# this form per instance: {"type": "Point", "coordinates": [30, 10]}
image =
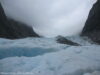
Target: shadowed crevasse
{"type": "Point", "coordinates": [12, 29]}
{"type": "Point", "coordinates": [92, 26]}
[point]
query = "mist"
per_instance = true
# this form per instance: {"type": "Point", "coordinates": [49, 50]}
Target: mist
{"type": "Point", "coordinates": [50, 18]}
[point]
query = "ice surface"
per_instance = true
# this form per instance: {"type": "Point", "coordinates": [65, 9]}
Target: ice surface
{"type": "Point", "coordinates": [61, 60]}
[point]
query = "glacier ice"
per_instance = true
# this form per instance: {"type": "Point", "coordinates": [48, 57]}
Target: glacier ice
{"type": "Point", "coordinates": [62, 60]}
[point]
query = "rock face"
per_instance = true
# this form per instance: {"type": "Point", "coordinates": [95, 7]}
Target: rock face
{"type": "Point", "coordinates": [63, 40]}
{"type": "Point", "coordinates": [92, 26]}
{"type": "Point", "coordinates": [12, 29]}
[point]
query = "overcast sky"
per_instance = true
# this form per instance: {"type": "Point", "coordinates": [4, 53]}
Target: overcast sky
{"type": "Point", "coordinates": [50, 17]}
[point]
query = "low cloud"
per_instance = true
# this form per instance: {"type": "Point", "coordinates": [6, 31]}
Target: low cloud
{"type": "Point", "coordinates": [50, 17]}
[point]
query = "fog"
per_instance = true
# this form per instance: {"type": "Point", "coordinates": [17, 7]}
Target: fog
{"type": "Point", "coordinates": [50, 18]}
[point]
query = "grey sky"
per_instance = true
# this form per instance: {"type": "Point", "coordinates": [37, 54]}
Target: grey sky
{"type": "Point", "coordinates": [50, 17]}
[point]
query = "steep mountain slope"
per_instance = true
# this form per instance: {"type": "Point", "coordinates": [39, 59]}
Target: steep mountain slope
{"type": "Point", "coordinates": [92, 26]}
{"type": "Point", "coordinates": [12, 29]}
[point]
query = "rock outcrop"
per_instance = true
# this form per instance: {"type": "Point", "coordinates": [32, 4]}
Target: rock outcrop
{"type": "Point", "coordinates": [12, 29]}
{"type": "Point", "coordinates": [92, 26]}
{"type": "Point", "coordinates": [63, 40]}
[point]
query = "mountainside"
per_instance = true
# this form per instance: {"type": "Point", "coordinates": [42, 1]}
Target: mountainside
{"type": "Point", "coordinates": [12, 29]}
{"type": "Point", "coordinates": [92, 26]}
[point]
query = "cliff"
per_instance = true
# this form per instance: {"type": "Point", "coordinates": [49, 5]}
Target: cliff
{"type": "Point", "coordinates": [12, 29]}
{"type": "Point", "coordinates": [92, 26]}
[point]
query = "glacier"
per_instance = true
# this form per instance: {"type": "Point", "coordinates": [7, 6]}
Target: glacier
{"type": "Point", "coordinates": [44, 56]}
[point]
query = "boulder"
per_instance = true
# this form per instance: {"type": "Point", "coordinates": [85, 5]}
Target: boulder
{"type": "Point", "coordinates": [63, 40]}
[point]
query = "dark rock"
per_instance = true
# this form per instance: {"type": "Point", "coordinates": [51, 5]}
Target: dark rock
{"type": "Point", "coordinates": [92, 26]}
{"type": "Point", "coordinates": [22, 30]}
{"type": "Point", "coordinates": [63, 40]}
{"type": "Point", "coordinates": [12, 29]}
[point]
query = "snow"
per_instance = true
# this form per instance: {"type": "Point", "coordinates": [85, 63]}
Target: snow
{"type": "Point", "coordinates": [44, 56]}
{"type": "Point", "coordinates": [50, 18]}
